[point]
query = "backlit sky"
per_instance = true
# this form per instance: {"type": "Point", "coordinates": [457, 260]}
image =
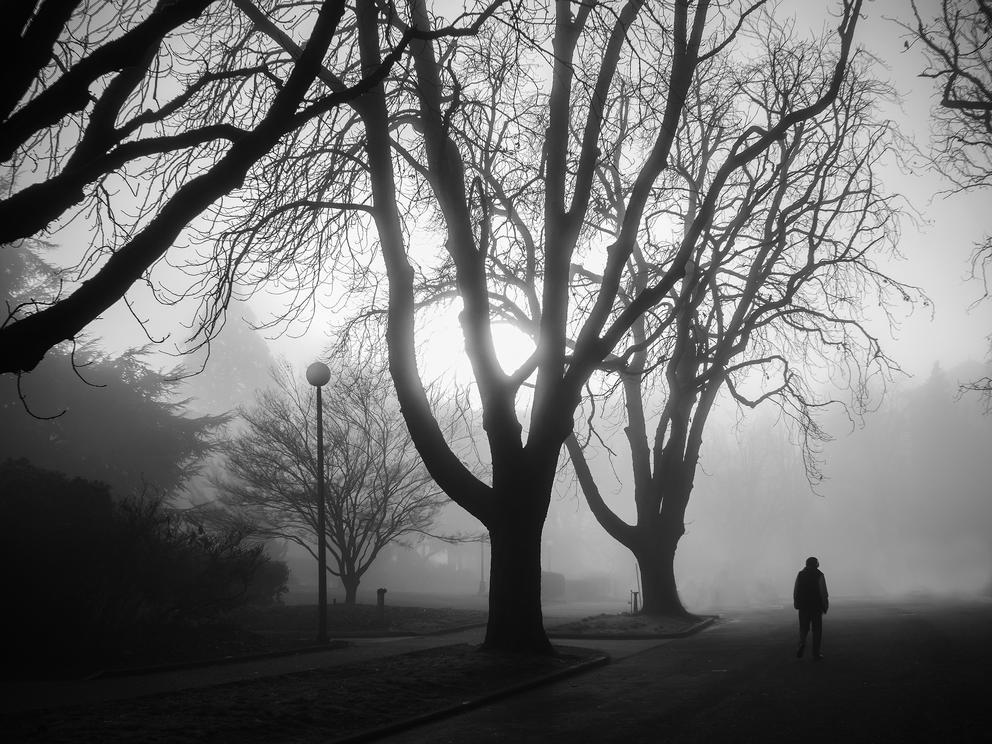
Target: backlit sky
{"type": "Point", "coordinates": [937, 248]}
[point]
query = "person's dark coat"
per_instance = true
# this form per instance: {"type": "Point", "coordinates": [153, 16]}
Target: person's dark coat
{"type": "Point", "coordinates": [810, 592]}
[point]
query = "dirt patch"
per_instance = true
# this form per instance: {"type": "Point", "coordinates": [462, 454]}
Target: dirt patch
{"type": "Point", "coordinates": [314, 706]}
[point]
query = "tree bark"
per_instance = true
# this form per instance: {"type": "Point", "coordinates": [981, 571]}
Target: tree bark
{"type": "Point", "coordinates": [350, 583]}
{"type": "Point", "coordinates": [516, 622]}
{"type": "Point", "coordinates": [656, 563]}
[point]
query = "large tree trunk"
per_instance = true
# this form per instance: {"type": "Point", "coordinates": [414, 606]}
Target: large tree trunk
{"type": "Point", "coordinates": [515, 621]}
{"type": "Point", "coordinates": [656, 562]}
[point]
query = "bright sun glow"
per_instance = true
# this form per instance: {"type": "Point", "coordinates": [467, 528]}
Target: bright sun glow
{"type": "Point", "coordinates": [443, 354]}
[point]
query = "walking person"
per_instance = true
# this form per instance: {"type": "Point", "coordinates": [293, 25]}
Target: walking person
{"type": "Point", "coordinates": [810, 597]}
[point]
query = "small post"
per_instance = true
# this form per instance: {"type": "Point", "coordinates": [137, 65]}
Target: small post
{"type": "Point", "coordinates": [633, 601]}
{"type": "Point", "coordinates": [380, 606]}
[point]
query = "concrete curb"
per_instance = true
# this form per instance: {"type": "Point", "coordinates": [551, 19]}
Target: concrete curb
{"type": "Point", "coordinates": [434, 715]}
{"type": "Point", "coordinates": [704, 623]}
{"type": "Point", "coordinates": [581, 667]}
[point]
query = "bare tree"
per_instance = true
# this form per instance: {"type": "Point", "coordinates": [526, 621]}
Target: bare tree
{"type": "Point", "coordinates": [510, 194]}
{"type": "Point", "coordinates": [957, 42]}
{"type": "Point", "coordinates": [774, 295]}
{"type": "Point", "coordinates": [133, 118]}
{"type": "Point", "coordinates": [377, 489]}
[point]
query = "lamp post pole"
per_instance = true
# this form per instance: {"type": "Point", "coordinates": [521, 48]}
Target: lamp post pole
{"type": "Point", "coordinates": [318, 375]}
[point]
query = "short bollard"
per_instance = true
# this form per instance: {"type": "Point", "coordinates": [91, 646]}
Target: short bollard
{"type": "Point", "coordinates": [380, 606]}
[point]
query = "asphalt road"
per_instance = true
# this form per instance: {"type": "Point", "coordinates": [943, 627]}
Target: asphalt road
{"type": "Point", "coordinates": [893, 672]}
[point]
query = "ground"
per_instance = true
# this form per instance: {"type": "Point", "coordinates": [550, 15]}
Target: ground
{"type": "Point", "coordinates": [902, 670]}
{"type": "Point", "coordinates": [899, 670]}
{"type": "Point", "coordinates": [310, 706]}
{"type": "Point", "coordinates": [305, 706]}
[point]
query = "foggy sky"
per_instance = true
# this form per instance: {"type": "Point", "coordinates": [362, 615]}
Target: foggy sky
{"type": "Point", "coordinates": [753, 517]}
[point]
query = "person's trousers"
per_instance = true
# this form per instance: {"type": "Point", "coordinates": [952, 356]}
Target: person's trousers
{"type": "Point", "coordinates": [807, 618]}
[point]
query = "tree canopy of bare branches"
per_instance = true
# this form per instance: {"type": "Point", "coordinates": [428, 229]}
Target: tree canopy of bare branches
{"type": "Point", "coordinates": [476, 140]}
{"type": "Point", "coordinates": [130, 119]}
{"type": "Point", "coordinates": [773, 301]}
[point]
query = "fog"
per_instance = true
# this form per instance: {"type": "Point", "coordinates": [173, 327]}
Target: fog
{"type": "Point", "coordinates": [905, 504]}
{"type": "Point", "coordinates": [904, 507]}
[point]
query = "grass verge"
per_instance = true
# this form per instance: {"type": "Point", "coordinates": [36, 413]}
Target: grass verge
{"type": "Point", "coordinates": [319, 705]}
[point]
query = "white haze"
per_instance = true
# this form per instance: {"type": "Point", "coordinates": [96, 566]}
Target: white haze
{"type": "Point", "coordinates": [906, 504]}
{"type": "Point", "coordinates": [904, 507]}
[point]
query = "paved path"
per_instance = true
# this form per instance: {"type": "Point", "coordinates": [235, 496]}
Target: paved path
{"type": "Point", "coordinates": [29, 695]}
{"type": "Point", "coordinates": [21, 695]}
{"type": "Point", "coordinates": [903, 672]}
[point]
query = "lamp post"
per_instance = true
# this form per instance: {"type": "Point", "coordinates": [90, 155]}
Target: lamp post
{"type": "Point", "coordinates": [318, 375]}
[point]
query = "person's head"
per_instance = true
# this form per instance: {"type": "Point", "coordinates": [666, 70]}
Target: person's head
{"type": "Point", "coordinates": [811, 562]}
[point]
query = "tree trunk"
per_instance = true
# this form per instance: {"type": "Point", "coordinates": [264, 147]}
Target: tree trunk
{"type": "Point", "coordinates": [516, 622]}
{"type": "Point", "coordinates": [350, 584]}
{"type": "Point", "coordinates": [656, 563]}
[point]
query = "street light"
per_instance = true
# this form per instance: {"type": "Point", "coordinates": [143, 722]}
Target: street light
{"type": "Point", "coordinates": [318, 375]}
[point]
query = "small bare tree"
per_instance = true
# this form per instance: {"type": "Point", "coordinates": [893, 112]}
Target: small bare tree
{"type": "Point", "coordinates": [377, 490]}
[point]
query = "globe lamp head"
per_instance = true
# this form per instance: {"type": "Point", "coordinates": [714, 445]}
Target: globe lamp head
{"type": "Point", "coordinates": [318, 374]}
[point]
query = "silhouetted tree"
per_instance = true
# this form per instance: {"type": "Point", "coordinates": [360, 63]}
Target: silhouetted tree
{"type": "Point", "coordinates": [957, 41]}
{"type": "Point", "coordinates": [24, 274]}
{"type": "Point", "coordinates": [376, 487]}
{"type": "Point", "coordinates": [119, 424]}
{"type": "Point", "coordinates": [229, 372]}
{"type": "Point", "coordinates": [113, 419]}
{"type": "Point", "coordinates": [481, 129]}
{"type": "Point", "coordinates": [776, 290]}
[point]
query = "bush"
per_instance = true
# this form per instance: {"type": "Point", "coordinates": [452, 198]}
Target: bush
{"type": "Point", "coordinates": [92, 579]}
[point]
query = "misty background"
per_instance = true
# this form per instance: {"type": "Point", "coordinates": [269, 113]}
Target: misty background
{"type": "Point", "coordinates": [904, 504]}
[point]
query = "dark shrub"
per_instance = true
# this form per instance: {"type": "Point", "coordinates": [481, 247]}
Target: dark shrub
{"type": "Point", "coordinates": [93, 580]}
